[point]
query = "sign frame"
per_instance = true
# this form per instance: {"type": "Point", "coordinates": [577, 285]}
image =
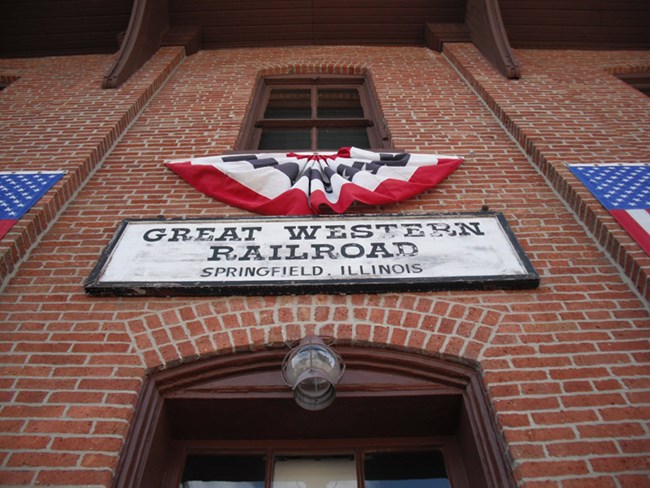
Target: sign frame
{"type": "Point", "coordinates": [96, 286]}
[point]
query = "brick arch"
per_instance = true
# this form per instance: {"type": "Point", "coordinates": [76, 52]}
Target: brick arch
{"type": "Point", "coordinates": [185, 397]}
{"type": "Point", "coordinates": [325, 68]}
{"type": "Point", "coordinates": [409, 322]}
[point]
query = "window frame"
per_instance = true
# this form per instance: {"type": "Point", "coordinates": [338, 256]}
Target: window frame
{"type": "Point", "coordinates": [357, 448]}
{"type": "Point", "coordinates": [373, 120]}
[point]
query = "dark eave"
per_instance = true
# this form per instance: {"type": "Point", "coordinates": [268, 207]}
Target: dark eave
{"type": "Point", "coordinates": [31, 28]}
{"type": "Point", "coordinates": [139, 27]}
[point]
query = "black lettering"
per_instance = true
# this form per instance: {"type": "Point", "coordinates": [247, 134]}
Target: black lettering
{"type": "Point", "coordinates": [386, 227]}
{"type": "Point", "coordinates": [250, 232]}
{"type": "Point", "coordinates": [471, 228]}
{"type": "Point", "coordinates": [413, 230]}
{"type": "Point", "coordinates": [228, 234]}
{"type": "Point", "coordinates": [384, 269]}
{"type": "Point", "coordinates": [302, 233]}
{"type": "Point", "coordinates": [438, 228]}
{"type": "Point", "coordinates": [276, 252]}
{"type": "Point", "coordinates": [292, 252]}
{"type": "Point", "coordinates": [253, 251]}
{"type": "Point", "coordinates": [323, 249]}
{"type": "Point", "coordinates": [158, 234]}
{"type": "Point", "coordinates": [403, 249]}
{"type": "Point", "coordinates": [378, 249]}
{"type": "Point", "coordinates": [205, 233]}
{"type": "Point", "coordinates": [361, 231]}
{"type": "Point", "coordinates": [336, 232]}
{"type": "Point", "coordinates": [347, 250]}
{"type": "Point", "coordinates": [219, 252]}
{"type": "Point", "coordinates": [178, 233]}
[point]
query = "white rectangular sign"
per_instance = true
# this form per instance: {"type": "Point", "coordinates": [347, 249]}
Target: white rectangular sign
{"type": "Point", "coordinates": [278, 255]}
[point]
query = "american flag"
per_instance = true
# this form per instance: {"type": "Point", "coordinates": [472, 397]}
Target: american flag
{"type": "Point", "coordinates": [305, 183]}
{"type": "Point", "coordinates": [19, 191]}
{"type": "Point", "coordinates": [624, 190]}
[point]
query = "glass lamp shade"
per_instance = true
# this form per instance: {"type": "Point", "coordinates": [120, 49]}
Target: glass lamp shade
{"type": "Point", "coordinates": [312, 370]}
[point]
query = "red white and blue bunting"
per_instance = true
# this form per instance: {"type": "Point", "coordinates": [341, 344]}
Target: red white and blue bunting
{"type": "Point", "coordinates": [305, 183]}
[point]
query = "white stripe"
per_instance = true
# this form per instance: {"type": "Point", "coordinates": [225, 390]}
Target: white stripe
{"type": "Point", "coordinates": [642, 217]}
{"type": "Point", "coordinates": [267, 181]}
{"type": "Point", "coordinates": [403, 173]}
{"type": "Point", "coordinates": [62, 172]}
{"type": "Point", "coordinates": [595, 165]}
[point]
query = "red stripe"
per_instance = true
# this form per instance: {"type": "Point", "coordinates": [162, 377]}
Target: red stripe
{"type": "Point", "coordinates": [213, 183]}
{"type": "Point", "coordinates": [633, 228]}
{"type": "Point", "coordinates": [5, 225]}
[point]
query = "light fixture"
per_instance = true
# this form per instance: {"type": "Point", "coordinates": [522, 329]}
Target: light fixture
{"type": "Point", "coordinates": [312, 369]}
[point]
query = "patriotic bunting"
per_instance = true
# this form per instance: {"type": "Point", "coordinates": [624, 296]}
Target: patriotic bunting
{"type": "Point", "coordinates": [19, 191]}
{"type": "Point", "coordinates": [305, 183]}
{"type": "Point", "coordinates": [624, 190]}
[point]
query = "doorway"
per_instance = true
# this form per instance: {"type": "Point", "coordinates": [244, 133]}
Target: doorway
{"type": "Point", "coordinates": [206, 424]}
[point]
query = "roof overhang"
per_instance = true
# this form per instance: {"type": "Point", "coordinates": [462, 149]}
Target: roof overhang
{"type": "Point", "coordinates": [151, 26]}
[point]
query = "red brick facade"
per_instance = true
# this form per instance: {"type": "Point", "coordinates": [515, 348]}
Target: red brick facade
{"type": "Point", "coordinates": [566, 366]}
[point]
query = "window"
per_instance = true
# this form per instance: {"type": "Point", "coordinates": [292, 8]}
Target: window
{"type": "Point", "coordinates": [225, 471]}
{"type": "Point", "coordinates": [319, 113]}
{"type": "Point", "coordinates": [402, 469]}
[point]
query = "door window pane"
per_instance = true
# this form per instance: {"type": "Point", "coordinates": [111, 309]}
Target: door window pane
{"type": "Point", "coordinates": [339, 104]}
{"type": "Point", "coordinates": [288, 104]}
{"type": "Point", "coordinates": [285, 139]}
{"type": "Point", "coordinates": [422, 469]}
{"type": "Point", "coordinates": [327, 472]}
{"type": "Point", "coordinates": [336, 138]}
{"type": "Point", "coordinates": [224, 472]}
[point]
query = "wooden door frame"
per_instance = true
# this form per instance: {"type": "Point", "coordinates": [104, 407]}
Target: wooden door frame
{"type": "Point", "coordinates": [152, 450]}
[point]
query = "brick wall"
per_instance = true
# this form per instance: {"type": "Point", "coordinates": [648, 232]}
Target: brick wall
{"type": "Point", "coordinates": [56, 116]}
{"type": "Point", "coordinates": [566, 366]}
{"type": "Point", "coordinates": [569, 108]}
